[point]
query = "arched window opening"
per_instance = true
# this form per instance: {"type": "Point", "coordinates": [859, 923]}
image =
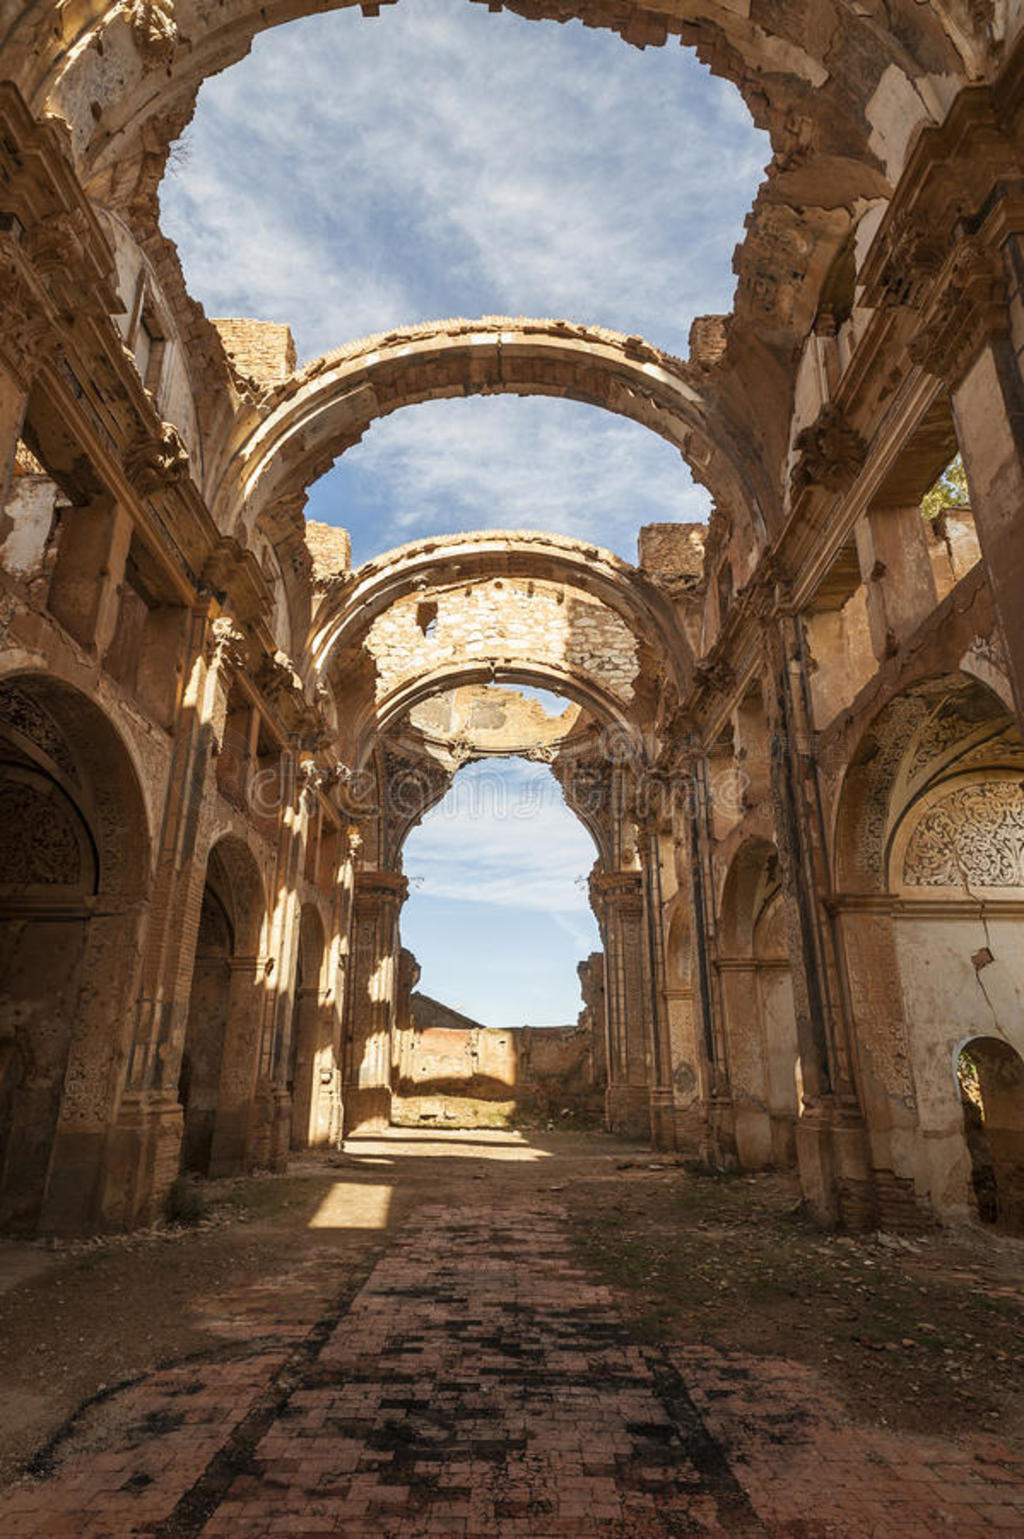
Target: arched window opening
{"type": "Point", "coordinates": [990, 1077]}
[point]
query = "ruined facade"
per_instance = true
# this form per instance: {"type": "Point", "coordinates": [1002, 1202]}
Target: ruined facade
{"type": "Point", "coordinates": [794, 737]}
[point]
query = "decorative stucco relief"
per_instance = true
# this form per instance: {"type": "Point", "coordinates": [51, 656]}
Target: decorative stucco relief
{"type": "Point", "coordinates": [973, 837]}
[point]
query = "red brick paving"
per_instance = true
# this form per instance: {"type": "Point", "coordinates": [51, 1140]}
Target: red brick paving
{"type": "Point", "coordinates": [480, 1386]}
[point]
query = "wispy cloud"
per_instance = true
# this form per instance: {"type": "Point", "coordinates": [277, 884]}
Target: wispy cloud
{"type": "Point", "coordinates": [499, 915]}
{"type": "Point", "coordinates": [351, 175]}
{"type": "Point", "coordinates": [498, 462]}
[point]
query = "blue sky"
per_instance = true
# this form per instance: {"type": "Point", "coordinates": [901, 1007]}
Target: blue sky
{"type": "Point", "coordinates": [498, 911]}
{"type": "Point", "coordinates": [354, 175]}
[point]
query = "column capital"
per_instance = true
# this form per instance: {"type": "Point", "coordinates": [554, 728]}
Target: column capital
{"type": "Point", "coordinates": [619, 890]}
{"type": "Point", "coordinates": [377, 888]}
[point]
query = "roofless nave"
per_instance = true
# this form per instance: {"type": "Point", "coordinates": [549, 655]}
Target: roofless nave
{"type": "Point", "coordinates": [795, 735]}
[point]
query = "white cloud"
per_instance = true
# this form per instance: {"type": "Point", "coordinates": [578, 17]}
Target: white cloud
{"type": "Point", "coordinates": [503, 836]}
{"type": "Point", "coordinates": [499, 462]}
{"type": "Point", "coordinates": [353, 175]}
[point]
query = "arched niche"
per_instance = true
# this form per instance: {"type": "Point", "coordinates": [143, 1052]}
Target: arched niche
{"type": "Point", "coordinates": [930, 869]}
{"type": "Point", "coordinates": [75, 873]}
{"type": "Point", "coordinates": [990, 1081]}
{"type": "Point", "coordinates": [312, 1066]}
{"type": "Point", "coordinates": [220, 1052]}
{"type": "Point", "coordinates": [759, 1013]}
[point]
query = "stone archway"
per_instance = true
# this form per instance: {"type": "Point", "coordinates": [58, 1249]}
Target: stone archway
{"type": "Point", "coordinates": [486, 607]}
{"type": "Point", "coordinates": [220, 1056]}
{"type": "Point", "coordinates": [990, 1075]}
{"type": "Point", "coordinates": [760, 1018]}
{"type": "Point", "coordinates": [277, 448]}
{"type": "Point", "coordinates": [75, 874]}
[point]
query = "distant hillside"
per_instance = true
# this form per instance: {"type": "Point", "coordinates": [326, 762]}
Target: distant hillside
{"type": "Point", "coordinates": [430, 1014]}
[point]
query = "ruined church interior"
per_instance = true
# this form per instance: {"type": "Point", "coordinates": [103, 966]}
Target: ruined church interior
{"type": "Point", "coordinates": [453, 1275]}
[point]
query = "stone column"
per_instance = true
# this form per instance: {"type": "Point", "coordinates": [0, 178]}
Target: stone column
{"type": "Point", "coordinates": [594, 1016]}
{"type": "Point", "coordinates": [103, 1015]}
{"type": "Point", "coordinates": [832, 1149]}
{"type": "Point", "coordinates": [717, 1134]}
{"type": "Point", "coordinates": [661, 1097]}
{"type": "Point", "coordinates": [144, 1145]}
{"type": "Point", "coordinates": [370, 1002]}
{"type": "Point", "coordinates": [13, 399]}
{"type": "Point", "coordinates": [233, 1128]}
{"type": "Point", "coordinates": [970, 335]}
{"type": "Point", "coordinates": [279, 805]}
{"type": "Point", "coordinates": [747, 1076]}
{"type": "Point", "coordinates": [91, 554]}
{"type": "Point", "coordinates": [988, 408]}
{"type": "Point", "coordinates": [305, 1088]}
{"type": "Point", "coordinates": [619, 900]}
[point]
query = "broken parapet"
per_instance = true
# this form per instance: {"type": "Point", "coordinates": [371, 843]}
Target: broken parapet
{"type": "Point", "coordinates": [330, 548]}
{"type": "Point", "coordinates": [261, 351]}
{"type": "Point", "coordinates": [673, 554]}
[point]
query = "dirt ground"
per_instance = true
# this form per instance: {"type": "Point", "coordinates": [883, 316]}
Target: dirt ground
{"type": "Point", "coordinates": [923, 1333]}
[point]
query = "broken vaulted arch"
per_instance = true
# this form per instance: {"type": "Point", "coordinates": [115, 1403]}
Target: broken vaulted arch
{"type": "Point", "coordinates": [840, 94]}
{"type": "Point", "coordinates": [281, 443]}
{"type": "Point", "coordinates": [495, 607]}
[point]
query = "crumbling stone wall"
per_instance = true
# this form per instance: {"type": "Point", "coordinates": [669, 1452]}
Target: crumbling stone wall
{"type": "Point", "coordinates": [533, 622]}
{"type": "Point", "coordinates": [453, 1072]}
{"type": "Point", "coordinates": [260, 350]}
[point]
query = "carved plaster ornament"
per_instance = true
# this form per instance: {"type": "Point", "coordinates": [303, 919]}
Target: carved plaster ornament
{"type": "Point", "coordinates": [829, 453]}
{"type": "Point", "coordinates": [154, 29]}
{"type": "Point", "coordinates": [40, 844]}
{"type": "Point", "coordinates": [26, 336]}
{"type": "Point", "coordinates": [151, 463]}
{"type": "Point", "coordinates": [226, 643]}
{"type": "Point", "coordinates": [277, 675]}
{"type": "Point", "coordinates": [973, 837]}
{"type": "Point", "coordinates": [967, 308]}
{"type": "Point", "coordinates": [714, 674]}
{"type": "Point", "coordinates": [59, 242]}
{"type": "Point", "coordinates": [914, 260]}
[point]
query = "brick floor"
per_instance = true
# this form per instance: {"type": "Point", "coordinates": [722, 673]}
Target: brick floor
{"type": "Point", "coordinates": [479, 1385]}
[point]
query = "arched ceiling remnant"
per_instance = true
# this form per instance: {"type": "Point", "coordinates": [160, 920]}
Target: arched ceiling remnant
{"type": "Point", "coordinates": [125, 77]}
{"type": "Point", "coordinates": [487, 720]}
{"type": "Point", "coordinates": [495, 607]}
{"type": "Point", "coordinates": [841, 91]}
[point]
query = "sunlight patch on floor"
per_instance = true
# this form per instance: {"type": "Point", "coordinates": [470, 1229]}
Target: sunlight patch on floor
{"type": "Point", "coordinates": [460, 1143]}
{"type": "Point", "coordinates": [353, 1205]}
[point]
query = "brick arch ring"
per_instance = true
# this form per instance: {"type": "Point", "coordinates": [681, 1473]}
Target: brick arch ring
{"type": "Point", "coordinates": [279, 446]}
